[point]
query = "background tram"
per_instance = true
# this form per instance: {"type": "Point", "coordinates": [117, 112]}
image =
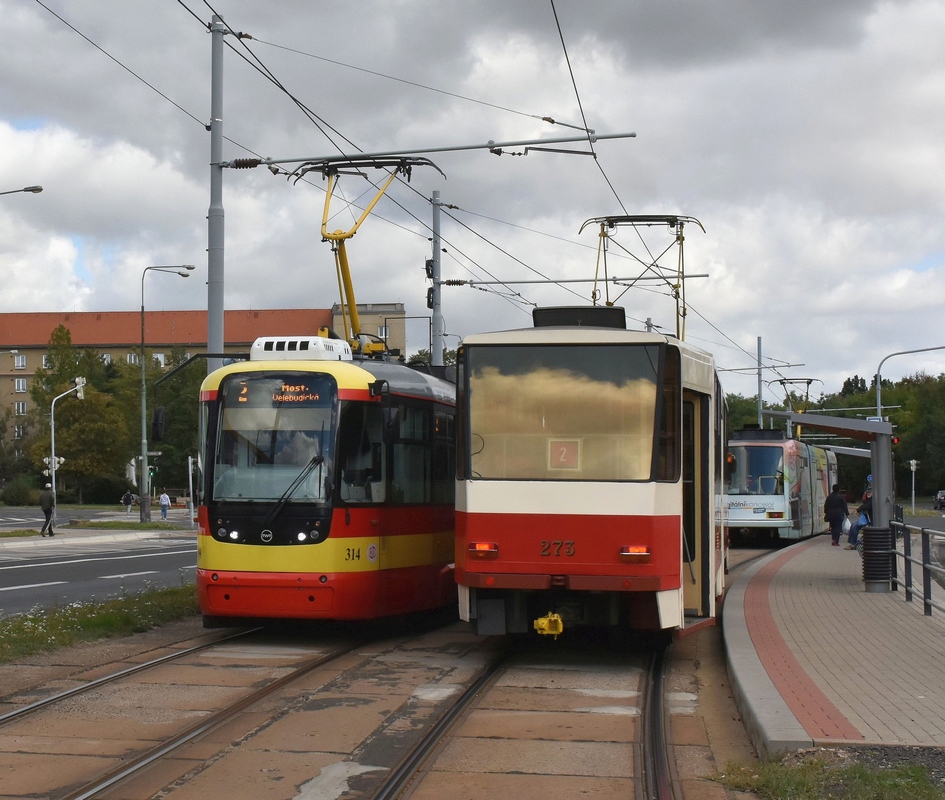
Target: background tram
{"type": "Point", "coordinates": [776, 487]}
{"type": "Point", "coordinates": [326, 487]}
{"type": "Point", "coordinates": [589, 477]}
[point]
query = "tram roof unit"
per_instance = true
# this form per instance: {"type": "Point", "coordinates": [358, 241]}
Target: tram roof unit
{"type": "Point", "coordinates": [334, 356]}
{"type": "Point", "coordinates": [299, 348]}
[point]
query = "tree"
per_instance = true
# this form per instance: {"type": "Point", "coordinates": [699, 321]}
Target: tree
{"type": "Point", "coordinates": [179, 396]}
{"type": "Point", "coordinates": [91, 434]}
{"type": "Point", "coordinates": [424, 357]}
{"type": "Point", "coordinates": [854, 385]}
{"type": "Point", "coordinates": [86, 433]}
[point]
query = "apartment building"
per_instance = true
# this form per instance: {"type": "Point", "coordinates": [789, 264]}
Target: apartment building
{"type": "Point", "coordinates": [24, 337]}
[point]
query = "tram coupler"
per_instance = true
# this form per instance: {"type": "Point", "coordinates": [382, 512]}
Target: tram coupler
{"type": "Point", "coordinates": [550, 625]}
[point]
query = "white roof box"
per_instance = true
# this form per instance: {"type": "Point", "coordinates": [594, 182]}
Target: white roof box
{"type": "Point", "coordinates": [299, 348]}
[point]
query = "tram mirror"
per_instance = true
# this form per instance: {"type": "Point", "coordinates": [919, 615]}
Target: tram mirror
{"type": "Point", "coordinates": [391, 424]}
{"type": "Point", "coordinates": [379, 388]}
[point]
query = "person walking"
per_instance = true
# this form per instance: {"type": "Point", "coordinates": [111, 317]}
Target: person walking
{"type": "Point", "coordinates": [835, 512]}
{"type": "Point", "coordinates": [47, 504]}
{"type": "Point", "coordinates": [165, 502]}
{"type": "Point", "coordinates": [127, 499]}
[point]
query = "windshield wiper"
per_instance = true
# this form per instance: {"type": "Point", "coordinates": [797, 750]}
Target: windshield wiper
{"type": "Point", "coordinates": [287, 494]}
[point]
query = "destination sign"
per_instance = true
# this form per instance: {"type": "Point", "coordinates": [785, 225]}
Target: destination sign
{"type": "Point", "coordinates": [269, 391]}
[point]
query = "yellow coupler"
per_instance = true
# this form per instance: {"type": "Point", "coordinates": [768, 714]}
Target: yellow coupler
{"type": "Point", "coordinates": [550, 624]}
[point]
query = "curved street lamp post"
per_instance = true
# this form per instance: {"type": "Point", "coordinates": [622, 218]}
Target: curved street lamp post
{"type": "Point", "coordinates": [144, 486]}
{"type": "Point", "coordinates": [29, 189]}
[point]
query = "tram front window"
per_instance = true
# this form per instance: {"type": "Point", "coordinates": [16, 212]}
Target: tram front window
{"type": "Point", "coordinates": [562, 412]}
{"type": "Point", "coordinates": [758, 470]}
{"type": "Point", "coordinates": [274, 431]}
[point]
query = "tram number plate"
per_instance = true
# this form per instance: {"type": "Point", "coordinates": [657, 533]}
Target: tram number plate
{"type": "Point", "coordinates": [352, 554]}
{"type": "Point", "coordinates": [556, 548]}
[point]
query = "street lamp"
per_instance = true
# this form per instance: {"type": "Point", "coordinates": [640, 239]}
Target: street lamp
{"type": "Point", "coordinates": [30, 189]}
{"type": "Point", "coordinates": [879, 379]}
{"type": "Point", "coordinates": [144, 488]}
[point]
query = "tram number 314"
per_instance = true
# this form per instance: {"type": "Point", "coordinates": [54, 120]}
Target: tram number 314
{"type": "Point", "coordinates": [556, 548]}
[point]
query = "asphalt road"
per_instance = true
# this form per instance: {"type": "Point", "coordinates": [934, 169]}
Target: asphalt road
{"type": "Point", "coordinates": [80, 567]}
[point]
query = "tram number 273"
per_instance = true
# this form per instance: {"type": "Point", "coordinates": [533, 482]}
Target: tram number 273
{"type": "Point", "coordinates": [556, 548]}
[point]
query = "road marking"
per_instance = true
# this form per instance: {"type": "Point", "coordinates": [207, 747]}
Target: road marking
{"type": "Point", "coordinates": [158, 554]}
{"type": "Point", "coordinates": [127, 575]}
{"type": "Point", "coordinates": [30, 586]}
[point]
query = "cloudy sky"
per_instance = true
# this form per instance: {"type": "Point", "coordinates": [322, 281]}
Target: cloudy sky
{"type": "Point", "coordinates": [808, 138]}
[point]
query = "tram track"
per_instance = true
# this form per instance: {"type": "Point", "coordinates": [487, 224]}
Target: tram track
{"type": "Point", "coordinates": [129, 768]}
{"type": "Point", "coordinates": [31, 708]}
{"type": "Point", "coordinates": [655, 772]}
{"type": "Point", "coordinates": [341, 685]}
{"type": "Point", "coordinates": [437, 713]}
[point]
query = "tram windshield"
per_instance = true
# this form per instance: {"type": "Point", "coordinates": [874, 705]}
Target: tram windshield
{"type": "Point", "coordinates": [562, 412]}
{"type": "Point", "coordinates": [756, 470]}
{"type": "Point", "coordinates": [274, 437]}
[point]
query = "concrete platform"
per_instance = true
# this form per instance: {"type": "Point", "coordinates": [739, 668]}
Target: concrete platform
{"type": "Point", "coordinates": [815, 660]}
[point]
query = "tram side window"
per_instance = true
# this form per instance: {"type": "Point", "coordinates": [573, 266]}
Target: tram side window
{"type": "Point", "coordinates": [444, 457]}
{"type": "Point", "coordinates": [667, 454]}
{"type": "Point", "coordinates": [411, 462]}
{"type": "Point", "coordinates": [361, 472]}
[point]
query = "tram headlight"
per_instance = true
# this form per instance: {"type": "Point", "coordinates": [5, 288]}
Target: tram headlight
{"type": "Point", "coordinates": [234, 536]}
{"type": "Point", "coordinates": [301, 536]}
{"type": "Point", "coordinates": [221, 533]}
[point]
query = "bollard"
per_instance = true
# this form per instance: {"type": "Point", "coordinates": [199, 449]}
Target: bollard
{"type": "Point", "coordinates": [877, 559]}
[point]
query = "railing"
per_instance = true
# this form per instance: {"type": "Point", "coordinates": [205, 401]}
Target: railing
{"type": "Point", "coordinates": [925, 564]}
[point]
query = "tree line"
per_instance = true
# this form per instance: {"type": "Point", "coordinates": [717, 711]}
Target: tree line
{"type": "Point", "coordinates": [915, 405]}
{"type": "Point", "coordinates": [100, 436]}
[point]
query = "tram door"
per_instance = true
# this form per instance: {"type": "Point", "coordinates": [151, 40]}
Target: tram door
{"type": "Point", "coordinates": [696, 518]}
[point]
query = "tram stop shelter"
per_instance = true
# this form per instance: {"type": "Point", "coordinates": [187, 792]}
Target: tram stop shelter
{"type": "Point", "coordinates": [878, 432]}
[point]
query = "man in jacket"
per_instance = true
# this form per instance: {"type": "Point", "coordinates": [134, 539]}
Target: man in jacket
{"type": "Point", "coordinates": [835, 512]}
{"type": "Point", "coordinates": [47, 503]}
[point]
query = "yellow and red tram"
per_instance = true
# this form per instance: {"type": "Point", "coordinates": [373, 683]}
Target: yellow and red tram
{"type": "Point", "coordinates": [326, 486]}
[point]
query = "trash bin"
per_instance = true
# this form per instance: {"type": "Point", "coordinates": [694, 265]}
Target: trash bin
{"type": "Point", "coordinates": [878, 547]}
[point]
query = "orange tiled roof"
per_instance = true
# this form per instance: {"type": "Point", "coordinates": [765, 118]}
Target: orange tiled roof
{"type": "Point", "coordinates": [102, 329]}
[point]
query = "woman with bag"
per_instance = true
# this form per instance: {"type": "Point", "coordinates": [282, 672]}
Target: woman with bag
{"type": "Point", "coordinates": [865, 518]}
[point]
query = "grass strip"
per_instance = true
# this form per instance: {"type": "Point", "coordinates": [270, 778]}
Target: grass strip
{"type": "Point", "coordinates": [41, 630]}
{"type": "Point", "coordinates": [817, 779]}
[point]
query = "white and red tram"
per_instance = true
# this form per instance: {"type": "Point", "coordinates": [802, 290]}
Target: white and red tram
{"type": "Point", "coordinates": [589, 477]}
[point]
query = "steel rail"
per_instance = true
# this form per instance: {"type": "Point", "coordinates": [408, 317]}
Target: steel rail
{"type": "Point", "coordinates": [657, 783]}
{"type": "Point", "coordinates": [129, 768]}
{"type": "Point", "coordinates": [23, 711]}
{"type": "Point", "coordinates": [408, 768]}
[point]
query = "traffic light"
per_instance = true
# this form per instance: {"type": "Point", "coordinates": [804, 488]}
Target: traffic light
{"type": "Point", "coordinates": [895, 440]}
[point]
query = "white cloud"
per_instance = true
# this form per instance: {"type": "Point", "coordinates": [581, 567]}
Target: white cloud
{"type": "Point", "coordinates": [805, 136]}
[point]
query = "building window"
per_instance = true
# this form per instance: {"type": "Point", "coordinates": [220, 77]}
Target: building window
{"type": "Point", "coordinates": [19, 361]}
{"type": "Point", "coordinates": [19, 432]}
{"type": "Point", "coordinates": [46, 362]}
{"type": "Point", "coordinates": [19, 384]}
{"type": "Point", "coordinates": [159, 357]}
{"type": "Point", "coordinates": [383, 331]}
{"type": "Point", "coordinates": [106, 358]}
{"type": "Point", "coordinates": [133, 359]}
{"type": "Point", "coordinates": [20, 408]}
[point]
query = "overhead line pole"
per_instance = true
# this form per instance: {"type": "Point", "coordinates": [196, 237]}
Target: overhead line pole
{"type": "Point", "coordinates": [438, 326]}
{"type": "Point", "coordinates": [215, 237]}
